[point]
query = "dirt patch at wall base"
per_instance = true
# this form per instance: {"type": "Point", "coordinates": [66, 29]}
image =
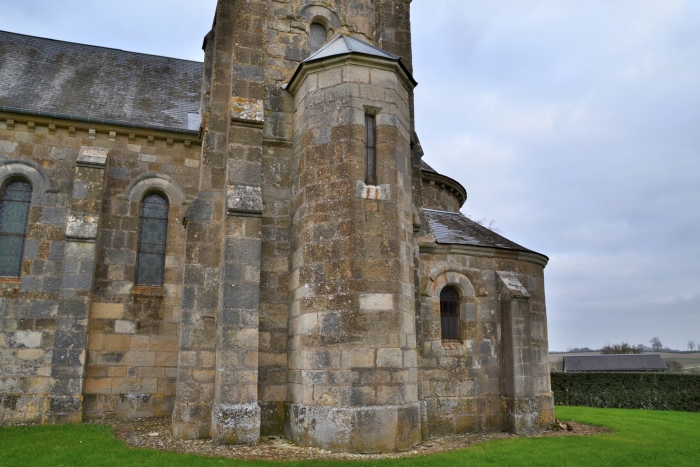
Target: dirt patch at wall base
{"type": "Point", "coordinates": [155, 433]}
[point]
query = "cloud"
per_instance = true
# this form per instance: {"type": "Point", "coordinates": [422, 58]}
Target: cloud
{"type": "Point", "coordinates": [173, 28]}
{"type": "Point", "coordinates": [573, 124]}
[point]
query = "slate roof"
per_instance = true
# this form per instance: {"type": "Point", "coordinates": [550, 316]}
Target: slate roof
{"type": "Point", "coordinates": [627, 362]}
{"type": "Point", "coordinates": [426, 168]}
{"type": "Point", "coordinates": [455, 228]}
{"type": "Point", "coordinates": [342, 44]}
{"type": "Point", "coordinates": [50, 76]}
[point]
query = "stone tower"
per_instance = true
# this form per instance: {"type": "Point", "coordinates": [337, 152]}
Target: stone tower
{"type": "Point", "coordinates": [329, 148]}
{"type": "Point", "coordinates": [352, 369]}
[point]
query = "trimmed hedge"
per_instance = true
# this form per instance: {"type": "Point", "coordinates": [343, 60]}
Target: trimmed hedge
{"type": "Point", "coordinates": [655, 391]}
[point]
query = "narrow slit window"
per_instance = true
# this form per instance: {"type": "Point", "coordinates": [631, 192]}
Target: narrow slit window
{"type": "Point", "coordinates": [371, 144]}
{"type": "Point", "coordinates": [14, 214]}
{"type": "Point", "coordinates": [152, 235]}
{"type": "Point", "coordinates": [449, 314]}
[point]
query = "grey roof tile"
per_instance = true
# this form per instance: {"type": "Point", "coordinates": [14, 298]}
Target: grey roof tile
{"type": "Point", "coordinates": [455, 228]}
{"type": "Point", "coordinates": [47, 75]}
{"type": "Point", "coordinates": [628, 362]}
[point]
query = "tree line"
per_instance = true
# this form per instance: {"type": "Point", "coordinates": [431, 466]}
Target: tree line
{"type": "Point", "coordinates": [625, 348]}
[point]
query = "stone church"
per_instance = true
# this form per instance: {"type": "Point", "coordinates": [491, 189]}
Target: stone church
{"type": "Point", "coordinates": [253, 245]}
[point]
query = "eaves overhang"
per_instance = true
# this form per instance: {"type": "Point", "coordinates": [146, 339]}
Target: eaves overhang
{"type": "Point", "coordinates": [484, 251]}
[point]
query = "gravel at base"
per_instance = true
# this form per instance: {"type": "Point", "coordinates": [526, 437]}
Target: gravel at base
{"type": "Point", "coordinates": [154, 433]}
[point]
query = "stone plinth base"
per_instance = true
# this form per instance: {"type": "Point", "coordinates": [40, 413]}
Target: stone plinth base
{"type": "Point", "coordinates": [374, 429]}
{"type": "Point", "coordinates": [235, 423]}
{"type": "Point", "coordinates": [527, 415]}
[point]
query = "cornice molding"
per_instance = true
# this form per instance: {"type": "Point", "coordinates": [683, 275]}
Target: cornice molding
{"type": "Point", "coordinates": [485, 252]}
{"type": "Point", "coordinates": [352, 58]}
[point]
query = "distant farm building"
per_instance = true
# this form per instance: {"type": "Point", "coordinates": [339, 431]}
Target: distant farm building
{"type": "Point", "coordinates": [628, 362]}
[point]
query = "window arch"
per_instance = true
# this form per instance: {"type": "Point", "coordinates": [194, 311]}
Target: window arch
{"type": "Point", "coordinates": [317, 36]}
{"type": "Point", "coordinates": [449, 314]}
{"type": "Point", "coordinates": [15, 201]}
{"type": "Point", "coordinates": [153, 232]}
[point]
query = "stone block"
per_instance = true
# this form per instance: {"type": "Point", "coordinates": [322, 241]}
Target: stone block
{"type": "Point", "coordinates": [356, 74]}
{"type": "Point", "coordinates": [358, 358]}
{"type": "Point", "coordinates": [244, 199]}
{"type": "Point", "coordinates": [23, 339]}
{"type": "Point", "coordinates": [124, 327]}
{"type": "Point", "coordinates": [25, 356]}
{"type": "Point", "coordinates": [107, 311]}
{"type": "Point", "coordinates": [98, 386]}
{"type": "Point", "coordinates": [92, 157]}
{"type": "Point", "coordinates": [134, 358]}
{"type": "Point", "coordinates": [329, 78]}
{"type": "Point", "coordinates": [116, 342]}
{"type": "Point", "coordinates": [376, 302]}
{"type": "Point", "coordinates": [126, 385]}
{"type": "Point", "coordinates": [167, 359]}
{"type": "Point", "coordinates": [391, 358]}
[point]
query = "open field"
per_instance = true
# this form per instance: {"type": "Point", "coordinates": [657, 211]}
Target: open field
{"type": "Point", "coordinates": [689, 360]}
{"type": "Point", "coordinates": [639, 438]}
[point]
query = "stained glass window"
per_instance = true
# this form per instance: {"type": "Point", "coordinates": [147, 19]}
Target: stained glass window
{"type": "Point", "coordinates": [152, 235]}
{"type": "Point", "coordinates": [449, 314]}
{"type": "Point", "coordinates": [14, 212]}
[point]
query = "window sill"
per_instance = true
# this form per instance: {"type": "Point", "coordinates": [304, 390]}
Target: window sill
{"type": "Point", "coordinates": [452, 344]}
{"type": "Point", "coordinates": [9, 283]}
{"type": "Point", "coordinates": [149, 290]}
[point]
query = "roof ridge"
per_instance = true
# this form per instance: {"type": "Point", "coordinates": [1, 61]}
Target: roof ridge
{"type": "Point", "coordinates": [99, 47]}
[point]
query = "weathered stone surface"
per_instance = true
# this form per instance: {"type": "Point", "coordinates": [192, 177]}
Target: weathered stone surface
{"type": "Point", "coordinates": [83, 227]}
{"type": "Point", "coordinates": [247, 109]}
{"type": "Point", "coordinates": [244, 199]}
{"type": "Point", "coordinates": [236, 423]}
{"type": "Point", "coordinates": [295, 297]}
{"type": "Point", "coordinates": [92, 157]}
{"type": "Point", "coordinates": [383, 428]}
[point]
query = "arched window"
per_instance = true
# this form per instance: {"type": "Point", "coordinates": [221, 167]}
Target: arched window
{"type": "Point", "coordinates": [150, 262]}
{"type": "Point", "coordinates": [449, 314]}
{"type": "Point", "coordinates": [318, 36]}
{"type": "Point", "coordinates": [14, 213]}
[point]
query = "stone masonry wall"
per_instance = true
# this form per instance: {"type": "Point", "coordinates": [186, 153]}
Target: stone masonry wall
{"type": "Point", "coordinates": [133, 330]}
{"type": "Point", "coordinates": [44, 314]}
{"type": "Point", "coordinates": [463, 383]}
{"type": "Point", "coordinates": [29, 305]}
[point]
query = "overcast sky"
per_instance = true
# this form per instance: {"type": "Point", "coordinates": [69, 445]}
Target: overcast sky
{"type": "Point", "coordinates": [574, 125]}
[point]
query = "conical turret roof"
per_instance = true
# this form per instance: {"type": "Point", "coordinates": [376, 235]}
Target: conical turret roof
{"type": "Point", "coordinates": [342, 44]}
{"type": "Point", "coordinates": [345, 45]}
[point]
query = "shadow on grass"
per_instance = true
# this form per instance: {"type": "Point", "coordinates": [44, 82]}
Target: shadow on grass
{"type": "Point", "coordinates": [649, 438]}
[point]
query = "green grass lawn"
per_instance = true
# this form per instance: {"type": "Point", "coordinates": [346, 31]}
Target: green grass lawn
{"type": "Point", "coordinates": [641, 437]}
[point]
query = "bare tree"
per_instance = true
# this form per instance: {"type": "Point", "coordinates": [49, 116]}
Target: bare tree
{"type": "Point", "coordinates": [691, 345]}
{"type": "Point", "coordinates": [656, 344]}
{"type": "Point", "coordinates": [484, 222]}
